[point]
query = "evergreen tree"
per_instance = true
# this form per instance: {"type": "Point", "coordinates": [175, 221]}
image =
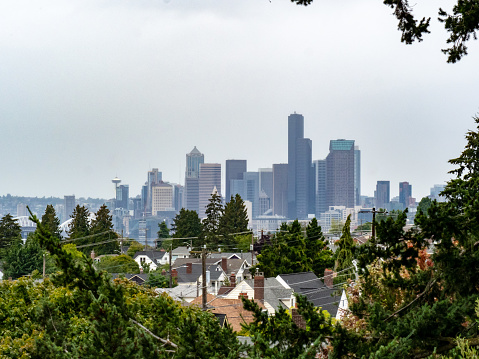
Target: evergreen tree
{"type": "Point", "coordinates": [286, 254]}
{"type": "Point", "coordinates": [101, 230]}
{"type": "Point", "coordinates": [424, 205]}
{"type": "Point", "coordinates": [10, 233]}
{"type": "Point", "coordinates": [163, 233]}
{"type": "Point", "coordinates": [316, 250]}
{"type": "Point", "coordinates": [79, 227]}
{"type": "Point", "coordinates": [211, 224]}
{"type": "Point", "coordinates": [51, 222]}
{"type": "Point", "coordinates": [234, 218]}
{"type": "Point", "coordinates": [186, 224]}
{"type": "Point", "coordinates": [22, 259]}
{"type": "Point", "coordinates": [344, 253]}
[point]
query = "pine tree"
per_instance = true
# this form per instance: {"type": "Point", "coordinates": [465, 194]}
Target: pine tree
{"type": "Point", "coordinates": [186, 224]}
{"type": "Point", "coordinates": [344, 253]}
{"type": "Point", "coordinates": [316, 250]}
{"type": "Point", "coordinates": [79, 227]}
{"type": "Point", "coordinates": [101, 230]}
{"type": "Point", "coordinates": [22, 259]}
{"type": "Point", "coordinates": [211, 224]}
{"type": "Point", "coordinates": [163, 233]}
{"type": "Point", "coordinates": [234, 219]}
{"type": "Point", "coordinates": [10, 232]}
{"type": "Point", "coordinates": [51, 222]}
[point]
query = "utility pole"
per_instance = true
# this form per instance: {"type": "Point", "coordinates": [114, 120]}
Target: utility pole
{"type": "Point", "coordinates": [44, 256]}
{"type": "Point", "coordinates": [121, 242]}
{"type": "Point", "coordinates": [146, 237]}
{"type": "Point", "coordinates": [171, 274]}
{"type": "Point", "coordinates": [203, 274]}
{"type": "Point", "coordinates": [373, 211]}
{"type": "Point", "coordinates": [252, 246]}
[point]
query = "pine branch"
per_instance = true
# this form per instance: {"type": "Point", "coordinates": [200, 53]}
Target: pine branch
{"type": "Point", "coordinates": [164, 341]}
{"type": "Point", "coordinates": [428, 286]}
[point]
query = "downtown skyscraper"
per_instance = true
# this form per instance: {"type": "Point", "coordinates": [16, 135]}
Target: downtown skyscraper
{"type": "Point", "coordinates": [192, 177]}
{"type": "Point", "coordinates": [343, 174]}
{"type": "Point", "coordinates": [300, 184]}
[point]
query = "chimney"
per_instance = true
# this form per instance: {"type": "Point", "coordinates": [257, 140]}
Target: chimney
{"type": "Point", "coordinates": [163, 272]}
{"type": "Point", "coordinates": [259, 286]}
{"type": "Point", "coordinates": [328, 277]}
{"type": "Point", "coordinates": [174, 273]}
{"type": "Point", "coordinates": [224, 264]}
{"type": "Point", "coordinates": [92, 254]}
{"type": "Point", "coordinates": [189, 268]}
{"type": "Point", "coordinates": [141, 270]}
{"type": "Point", "coordinates": [233, 280]}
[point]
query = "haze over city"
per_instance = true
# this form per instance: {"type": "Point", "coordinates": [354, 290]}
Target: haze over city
{"type": "Point", "coordinates": [91, 90]}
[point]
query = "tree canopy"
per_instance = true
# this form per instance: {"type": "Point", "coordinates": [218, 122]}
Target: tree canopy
{"type": "Point", "coordinates": [461, 24]}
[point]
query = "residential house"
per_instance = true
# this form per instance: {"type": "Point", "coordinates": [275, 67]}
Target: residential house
{"type": "Point", "coordinates": [151, 258]}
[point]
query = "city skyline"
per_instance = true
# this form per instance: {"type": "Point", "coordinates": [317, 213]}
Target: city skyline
{"type": "Point", "coordinates": [94, 90]}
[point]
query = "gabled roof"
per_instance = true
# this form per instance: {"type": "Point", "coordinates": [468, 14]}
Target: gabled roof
{"type": "Point", "coordinates": [233, 265]}
{"type": "Point", "coordinates": [180, 250]}
{"type": "Point", "coordinates": [196, 272]}
{"type": "Point", "coordinates": [274, 291]}
{"type": "Point", "coordinates": [232, 308]}
{"type": "Point", "coordinates": [153, 255]}
{"type": "Point", "coordinates": [309, 285]}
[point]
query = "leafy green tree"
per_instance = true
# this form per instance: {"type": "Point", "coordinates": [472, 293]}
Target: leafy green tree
{"type": "Point", "coordinates": [461, 24]}
{"type": "Point", "coordinates": [234, 219]}
{"type": "Point", "coordinates": [135, 247]}
{"type": "Point", "coordinates": [424, 205]}
{"type": "Point", "coordinates": [280, 337]}
{"type": "Point", "coordinates": [10, 233]}
{"type": "Point", "coordinates": [51, 222]}
{"type": "Point", "coordinates": [101, 231]}
{"type": "Point", "coordinates": [316, 249]}
{"type": "Point", "coordinates": [186, 224]}
{"type": "Point", "coordinates": [118, 264]}
{"type": "Point", "coordinates": [157, 280]}
{"type": "Point", "coordinates": [22, 259]}
{"type": "Point", "coordinates": [211, 224]}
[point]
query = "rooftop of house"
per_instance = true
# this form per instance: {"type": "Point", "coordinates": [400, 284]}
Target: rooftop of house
{"type": "Point", "coordinates": [196, 272]}
{"type": "Point", "coordinates": [232, 265]}
{"type": "Point", "coordinates": [153, 255]}
{"type": "Point", "coordinates": [274, 291]}
{"type": "Point", "coordinates": [318, 293]}
{"type": "Point", "coordinates": [232, 308]}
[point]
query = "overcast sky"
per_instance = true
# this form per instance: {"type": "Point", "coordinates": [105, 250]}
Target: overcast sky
{"type": "Point", "coordinates": [93, 89]}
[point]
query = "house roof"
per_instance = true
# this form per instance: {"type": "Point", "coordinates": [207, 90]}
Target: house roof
{"type": "Point", "coordinates": [153, 255]}
{"type": "Point", "coordinates": [180, 292]}
{"type": "Point", "coordinates": [274, 291]}
{"type": "Point", "coordinates": [233, 265]}
{"type": "Point", "coordinates": [180, 250]}
{"type": "Point", "coordinates": [232, 308]}
{"type": "Point", "coordinates": [196, 272]}
{"type": "Point", "coordinates": [309, 285]}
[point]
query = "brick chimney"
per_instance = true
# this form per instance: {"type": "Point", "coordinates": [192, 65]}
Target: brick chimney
{"type": "Point", "coordinates": [174, 273]}
{"type": "Point", "coordinates": [224, 264]}
{"type": "Point", "coordinates": [233, 280]}
{"type": "Point", "coordinates": [141, 270]}
{"type": "Point", "coordinates": [298, 319]}
{"type": "Point", "coordinates": [259, 286]}
{"type": "Point", "coordinates": [189, 268]}
{"type": "Point", "coordinates": [328, 277]}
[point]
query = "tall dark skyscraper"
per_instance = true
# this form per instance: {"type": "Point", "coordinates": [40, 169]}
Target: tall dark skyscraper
{"type": "Point", "coordinates": [405, 193]}
{"type": "Point", "coordinates": [280, 189]}
{"type": "Point", "coordinates": [340, 168]}
{"type": "Point", "coordinates": [122, 196]}
{"type": "Point", "coordinates": [382, 194]}
{"type": "Point", "coordinates": [234, 171]}
{"type": "Point", "coordinates": [192, 173]}
{"type": "Point", "coordinates": [320, 188]}
{"type": "Point", "coordinates": [299, 168]}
